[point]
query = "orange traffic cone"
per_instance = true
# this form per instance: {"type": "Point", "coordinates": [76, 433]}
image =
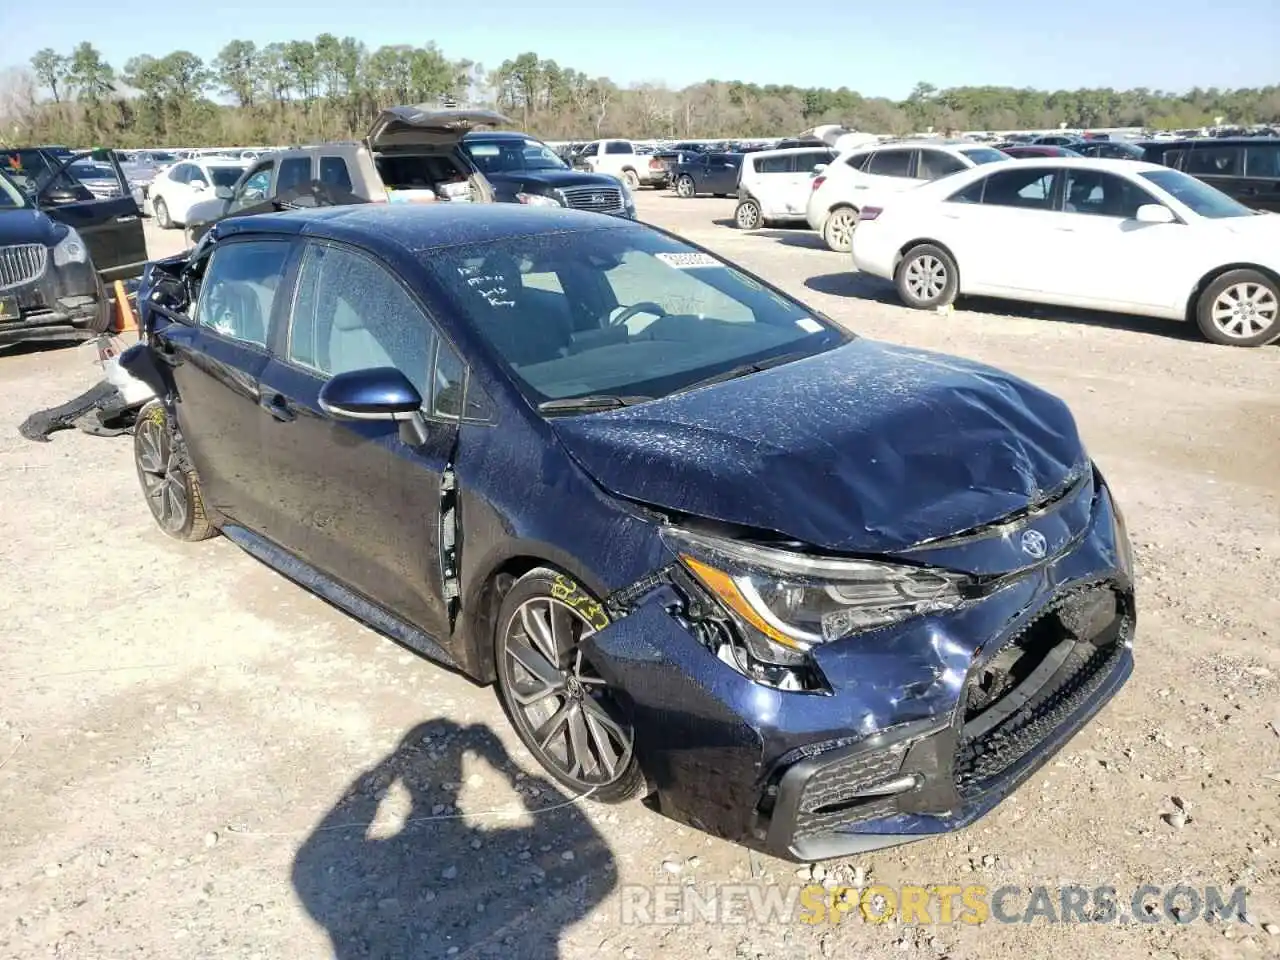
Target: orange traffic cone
{"type": "Point", "coordinates": [126, 322]}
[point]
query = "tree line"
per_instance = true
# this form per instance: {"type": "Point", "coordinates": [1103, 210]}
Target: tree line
{"type": "Point", "coordinates": [331, 88]}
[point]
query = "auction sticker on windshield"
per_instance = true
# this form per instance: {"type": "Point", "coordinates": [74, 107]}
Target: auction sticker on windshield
{"type": "Point", "coordinates": [684, 261]}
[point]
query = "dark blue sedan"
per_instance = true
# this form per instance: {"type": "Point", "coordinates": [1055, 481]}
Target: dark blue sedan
{"type": "Point", "coordinates": [815, 594]}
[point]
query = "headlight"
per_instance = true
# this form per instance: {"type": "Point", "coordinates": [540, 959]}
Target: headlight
{"type": "Point", "coordinates": [537, 200]}
{"type": "Point", "coordinates": [785, 603]}
{"type": "Point", "coordinates": [70, 249]}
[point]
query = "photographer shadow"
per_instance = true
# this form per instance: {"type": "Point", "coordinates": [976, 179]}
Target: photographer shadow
{"type": "Point", "coordinates": [446, 882]}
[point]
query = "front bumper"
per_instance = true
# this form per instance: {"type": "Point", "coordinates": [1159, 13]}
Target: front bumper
{"type": "Point", "coordinates": [63, 303]}
{"type": "Point", "coordinates": [894, 752]}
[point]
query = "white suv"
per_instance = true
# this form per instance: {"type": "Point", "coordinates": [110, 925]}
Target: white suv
{"type": "Point", "coordinates": [841, 190]}
{"type": "Point", "coordinates": [774, 185]}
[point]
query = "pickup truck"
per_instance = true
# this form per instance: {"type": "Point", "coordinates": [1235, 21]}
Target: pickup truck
{"type": "Point", "coordinates": [621, 159]}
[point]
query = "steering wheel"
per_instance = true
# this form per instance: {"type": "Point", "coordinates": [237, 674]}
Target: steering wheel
{"type": "Point", "coordinates": [644, 306]}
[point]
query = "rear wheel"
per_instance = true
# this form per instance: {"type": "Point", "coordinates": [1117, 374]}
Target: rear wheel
{"type": "Point", "coordinates": [685, 187]}
{"type": "Point", "coordinates": [1240, 309]}
{"type": "Point", "coordinates": [927, 277]}
{"type": "Point", "coordinates": [561, 708]}
{"type": "Point", "coordinates": [837, 232]}
{"type": "Point", "coordinates": [163, 220]}
{"type": "Point", "coordinates": [169, 481]}
{"type": "Point", "coordinates": [748, 215]}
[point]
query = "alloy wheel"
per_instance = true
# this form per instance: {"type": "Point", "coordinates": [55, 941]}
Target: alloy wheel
{"type": "Point", "coordinates": [559, 699]}
{"type": "Point", "coordinates": [840, 226]}
{"type": "Point", "coordinates": [926, 277]}
{"type": "Point", "coordinates": [748, 216]}
{"type": "Point", "coordinates": [1244, 310]}
{"type": "Point", "coordinates": [160, 467]}
{"type": "Point", "coordinates": [684, 187]}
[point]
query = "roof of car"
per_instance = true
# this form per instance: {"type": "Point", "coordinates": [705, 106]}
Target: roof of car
{"type": "Point", "coordinates": [421, 226]}
{"type": "Point", "coordinates": [498, 135]}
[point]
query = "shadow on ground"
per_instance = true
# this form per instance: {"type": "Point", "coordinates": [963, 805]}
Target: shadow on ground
{"type": "Point", "coordinates": [864, 287]}
{"type": "Point", "coordinates": [448, 882]}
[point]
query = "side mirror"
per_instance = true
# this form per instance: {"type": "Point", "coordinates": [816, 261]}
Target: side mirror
{"type": "Point", "coordinates": [170, 293]}
{"type": "Point", "coordinates": [224, 193]}
{"type": "Point", "coordinates": [1154, 213]}
{"type": "Point", "coordinates": [818, 168]}
{"type": "Point", "coordinates": [379, 393]}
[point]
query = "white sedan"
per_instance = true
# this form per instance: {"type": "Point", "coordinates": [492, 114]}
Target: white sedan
{"type": "Point", "coordinates": [176, 190]}
{"type": "Point", "coordinates": [1116, 235]}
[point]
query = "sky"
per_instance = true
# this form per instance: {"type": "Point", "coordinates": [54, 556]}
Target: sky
{"type": "Point", "coordinates": [876, 49]}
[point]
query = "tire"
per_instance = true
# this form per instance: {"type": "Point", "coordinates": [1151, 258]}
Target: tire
{"type": "Point", "coordinates": [567, 614]}
{"type": "Point", "coordinates": [169, 481]}
{"type": "Point", "coordinates": [1241, 308]}
{"type": "Point", "coordinates": [686, 188]}
{"type": "Point", "coordinates": [631, 179]}
{"type": "Point", "coordinates": [747, 216]}
{"type": "Point", "coordinates": [927, 277]}
{"type": "Point", "coordinates": [837, 232]}
{"type": "Point", "coordinates": [161, 210]}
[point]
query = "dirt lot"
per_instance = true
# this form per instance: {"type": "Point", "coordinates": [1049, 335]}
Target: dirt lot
{"type": "Point", "coordinates": [191, 747]}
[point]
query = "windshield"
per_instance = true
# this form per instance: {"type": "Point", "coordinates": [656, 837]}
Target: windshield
{"type": "Point", "coordinates": [11, 196]}
{"type": "Point", "coordinates": [1199, 196]}
{"type": "Point", "coordinates": [506, 156]}
{"type": "Point", "coordinates": [620, 312]}
{"type": "Point", "coordinates": [225, 176]}
{"type": "Point", "coordinates": [984, 155]}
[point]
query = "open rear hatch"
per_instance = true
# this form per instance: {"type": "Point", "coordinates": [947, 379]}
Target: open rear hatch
{"type": "Point", "coordinates": [418, 153]}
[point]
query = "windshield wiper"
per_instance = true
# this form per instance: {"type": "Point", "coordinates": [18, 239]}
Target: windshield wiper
{"type": "Point", "coordinates": [742, 370]}
{"type": "Point", "coordinates": [592, 401]}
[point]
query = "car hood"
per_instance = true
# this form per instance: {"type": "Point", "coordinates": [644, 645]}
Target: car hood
{"type": "Point", "coordinates": [869, 448]}
{"type": "Point", "coordinates": [27, 226]}
{"type": "Point", "coordinates": [552, 179]}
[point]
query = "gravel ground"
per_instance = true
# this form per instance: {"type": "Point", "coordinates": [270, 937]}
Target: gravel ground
{"type": "Point", "coordinates": [191, 747]}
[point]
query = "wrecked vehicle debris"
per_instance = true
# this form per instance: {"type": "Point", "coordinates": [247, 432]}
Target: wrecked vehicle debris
{"type": "Point", "coordinates": [813, 593]}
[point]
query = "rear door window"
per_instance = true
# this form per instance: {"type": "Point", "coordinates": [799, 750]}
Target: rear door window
{"type": "Point", "coordinates": [333, 171]}
{"type": "Point", "coordinates": [1023, 189]}
{"type": "Point", "coordinates": [1214, 162]}
{"type": "Point", "coordinates": [935, 164]}
{"type": "Point", "coordinates": [858, 161]}
{"type": "Point", "coordinates": [779, 164]}
{"type": "Point", "coordinates": [890, 163]}
{"type": "Point", "coordinates": [293, 171]}
{"type": "Point", "coordinates": [805, 162]}
{"type": "Point", "coordinates": [1262, 161]}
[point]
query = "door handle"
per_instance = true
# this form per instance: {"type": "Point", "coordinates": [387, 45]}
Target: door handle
{"type": "Point", "coordinates": [277, 404]}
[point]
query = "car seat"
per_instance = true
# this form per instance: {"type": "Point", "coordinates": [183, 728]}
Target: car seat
{"type": "Point", "coordinates": [517, 325]}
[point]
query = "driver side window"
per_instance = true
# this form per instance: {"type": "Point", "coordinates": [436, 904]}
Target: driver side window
{"type": "Point", "coordinates": [239, 289]}
{"type": "Point", "coordinates": [254, 188]}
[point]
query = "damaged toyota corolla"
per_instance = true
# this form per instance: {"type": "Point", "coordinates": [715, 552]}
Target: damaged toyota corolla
{"type": "Point", "coordinates": [810, 592]}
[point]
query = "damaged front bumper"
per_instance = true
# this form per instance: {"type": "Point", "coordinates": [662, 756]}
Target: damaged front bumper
{"type": "Point", "coordinates": [923, 727]}
{"type": "Point", "coordinates": [65, 302]}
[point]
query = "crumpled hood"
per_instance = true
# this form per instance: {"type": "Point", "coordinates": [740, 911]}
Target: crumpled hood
{"type": "Point", "coordinates": [28, 226]}
{"type": "Point", "coordinates": [869, 448]}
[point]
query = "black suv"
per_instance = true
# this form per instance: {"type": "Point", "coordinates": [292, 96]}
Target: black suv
{"type": "Point", "coordinates": [521, 169]}
{"type": "Point", "coordinates": [1245, 168]}
{"type": "Point", "coordinates": [57, 242]}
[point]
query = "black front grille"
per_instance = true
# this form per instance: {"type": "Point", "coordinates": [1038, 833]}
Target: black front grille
{"type": "Point", "coordinates": [829, 798]}
{"type": "Point", "coordinates": [21, 264]}
{"type": "Point", "coordinates": [1037, 679]}
{"type": "Point", "coordinates": [602, 199]}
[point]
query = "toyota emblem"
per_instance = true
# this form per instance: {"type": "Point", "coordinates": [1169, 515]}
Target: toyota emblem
{"type": "Point", "coordinates": [1034, 544]}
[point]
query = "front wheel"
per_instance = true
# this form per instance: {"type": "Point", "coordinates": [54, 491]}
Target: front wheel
{"type": "Point", "coordinates": [927, 277]}
{"type": "Point", "coordinates": [685, 187]}
{"type": "Point", "coordinates": [561, 708]}
{"type": "Point", "coordinates": [169, 481]}
{"type": "Point", "coordinates": [1240, 309]}
{"type": "Point", "coordinates": [837, 232]}
{"type": "Point", "coordinates": [748, 215]}
{"type": "Point", "coordinates": [161, 209]}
